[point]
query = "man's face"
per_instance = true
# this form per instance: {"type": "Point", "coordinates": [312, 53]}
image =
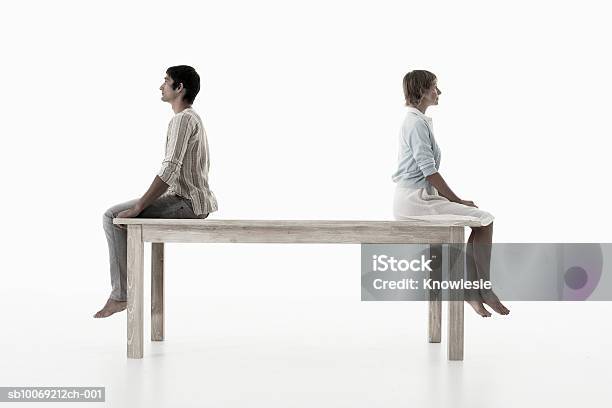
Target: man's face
{"type": "Point", "coordinates": [169, 94]}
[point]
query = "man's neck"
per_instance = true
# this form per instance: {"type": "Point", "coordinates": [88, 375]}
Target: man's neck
{"type": "Point", "coordinates": [180, 105]}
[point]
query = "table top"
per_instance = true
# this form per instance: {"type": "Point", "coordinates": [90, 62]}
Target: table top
{"type": "Point", "coordinates": [435, 221]}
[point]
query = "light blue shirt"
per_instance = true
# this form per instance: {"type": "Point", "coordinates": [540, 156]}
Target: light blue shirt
{"type": "Point", "coordinates": [419, 155]}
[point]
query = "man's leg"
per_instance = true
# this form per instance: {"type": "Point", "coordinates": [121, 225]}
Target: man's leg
{"type": "Point", "coordinates": [166, 206]}
{"type": "Point", "coordinates": [116, 238]}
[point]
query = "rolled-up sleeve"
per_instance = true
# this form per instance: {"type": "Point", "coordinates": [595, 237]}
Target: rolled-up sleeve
{"type": "Point", "coordinates": [418, 140]}
{"type": "Point", "coordinates": [179, 132]}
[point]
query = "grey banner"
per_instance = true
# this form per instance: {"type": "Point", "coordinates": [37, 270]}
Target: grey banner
{"type": "Point", "coordinates": [518, 271]}
{"type": "Point", "coordinates": [52, 394]}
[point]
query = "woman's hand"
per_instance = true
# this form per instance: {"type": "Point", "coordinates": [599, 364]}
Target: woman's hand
{"type": "Point", "coordinates": [468, 203]}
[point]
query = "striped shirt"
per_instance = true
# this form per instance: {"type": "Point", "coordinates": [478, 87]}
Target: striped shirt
{"type": "Point", "coordinates": [419, 155]}
{"type": "Point", "coordinates": [185, 166]}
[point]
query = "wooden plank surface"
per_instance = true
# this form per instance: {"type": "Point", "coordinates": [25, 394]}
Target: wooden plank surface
{"type": "Point", "coordinates": [304, 224]}
{"type": "Point", "coordinates": [386, 234]}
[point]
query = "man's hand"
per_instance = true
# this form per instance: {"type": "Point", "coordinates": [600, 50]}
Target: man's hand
{"type": "Point", "coordinates": [157, 188]}
{"type": "Point", "coordinates": [129, 213]}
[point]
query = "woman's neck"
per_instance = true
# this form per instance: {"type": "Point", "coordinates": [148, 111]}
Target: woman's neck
{"type": "Point", "coordinates": [420, 107]}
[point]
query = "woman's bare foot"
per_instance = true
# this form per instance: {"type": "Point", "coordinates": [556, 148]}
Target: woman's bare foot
{"type": "Point", "coordinates": [474, 300]}
{"type": "Point", "coordinates": [111, 307]}
{"type": "Point", "coordinates": [492, 301]}
{"type": "Point", "coordinates": [479, 308]}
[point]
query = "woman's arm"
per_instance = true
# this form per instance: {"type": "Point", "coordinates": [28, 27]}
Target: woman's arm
{"type": "Point", "coordinates": [444, 190]}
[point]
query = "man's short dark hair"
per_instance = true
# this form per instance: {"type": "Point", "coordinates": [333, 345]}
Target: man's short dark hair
{"type": "Point", "coordinates": [186, 75]}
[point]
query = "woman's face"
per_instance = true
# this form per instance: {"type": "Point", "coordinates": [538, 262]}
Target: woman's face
{"type": "Point", "coordinates": [430, 96]}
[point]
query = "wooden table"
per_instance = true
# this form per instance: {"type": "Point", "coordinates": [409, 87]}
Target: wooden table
{"type": "Point", "coordinates": [159, 231]}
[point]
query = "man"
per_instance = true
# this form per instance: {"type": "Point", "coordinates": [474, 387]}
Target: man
{"type": "Point", "coordinates": [180, 189]}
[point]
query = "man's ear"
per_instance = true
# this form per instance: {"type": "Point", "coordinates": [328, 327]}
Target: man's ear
{"type": "Point", "coordinates": [180, 87]}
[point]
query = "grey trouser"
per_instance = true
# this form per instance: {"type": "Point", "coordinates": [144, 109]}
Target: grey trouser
{"type": "Point", "coordinates": [166, 206]}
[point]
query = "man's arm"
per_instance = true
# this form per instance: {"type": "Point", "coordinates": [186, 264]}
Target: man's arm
{"type": "Point", "coordinates": [157, 188]}
{"type": "Point", "coordinates": [178, 138]}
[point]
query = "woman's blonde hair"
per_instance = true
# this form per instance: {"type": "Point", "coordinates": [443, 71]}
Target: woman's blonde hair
{"type": "Point", "coordinates": [415, 84]}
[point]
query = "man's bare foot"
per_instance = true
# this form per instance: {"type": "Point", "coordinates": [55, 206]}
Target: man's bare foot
{"type": "Point", "coordinates": [111, 307]}
{"type": "Point", "coordinates": [492, 301]}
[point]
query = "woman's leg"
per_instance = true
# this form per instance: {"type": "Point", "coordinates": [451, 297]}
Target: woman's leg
{"type": "Point", "coordinates": [472, 296]}
{"type": "Point", "coordinates": [483, 238]}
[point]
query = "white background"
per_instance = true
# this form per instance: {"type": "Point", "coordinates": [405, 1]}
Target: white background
{"type": "Point", "coordinates": [302, 103]}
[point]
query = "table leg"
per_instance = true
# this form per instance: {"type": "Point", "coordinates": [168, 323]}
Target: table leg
{"type": "Point", "coordinates": [157, 291]}
{"type": "Point", "coordinates": [135, 272]}
{"type": "Point", "coordinates": [435, 296]}
{"type": "Point", "coordinates": [456, 298]}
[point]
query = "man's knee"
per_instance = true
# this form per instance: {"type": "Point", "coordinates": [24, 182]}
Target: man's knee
{"type": "Point", "coordinates": [107, 218]}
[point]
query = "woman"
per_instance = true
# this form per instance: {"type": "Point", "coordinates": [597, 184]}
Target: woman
{"type": "Point", "coordinates": [422, 193]}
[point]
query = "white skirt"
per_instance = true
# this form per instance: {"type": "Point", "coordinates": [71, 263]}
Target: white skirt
{"type": "Point", "coordinates": [426, 204]}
